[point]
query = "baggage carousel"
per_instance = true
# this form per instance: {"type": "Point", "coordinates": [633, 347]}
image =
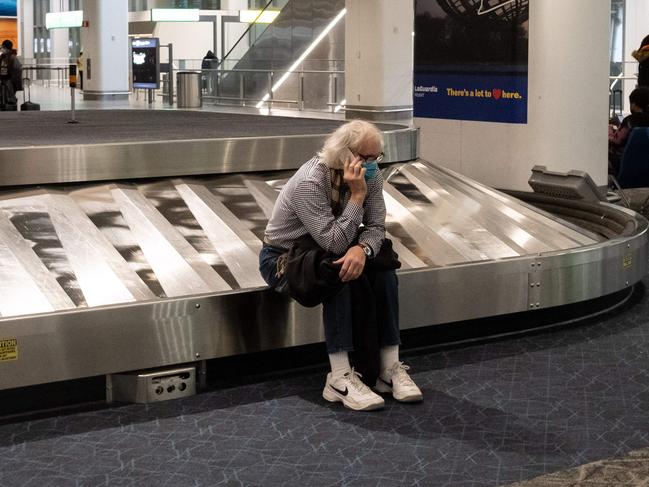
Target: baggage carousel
{"type": "Point", "coordinates": [125, 252]}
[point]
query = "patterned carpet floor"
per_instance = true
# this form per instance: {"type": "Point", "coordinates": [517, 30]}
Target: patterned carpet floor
{"type": "Point", "coordinates": [497, 413]}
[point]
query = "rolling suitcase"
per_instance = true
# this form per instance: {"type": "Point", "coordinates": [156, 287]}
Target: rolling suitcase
{"type": "Point", "coordinates": [28, 105]}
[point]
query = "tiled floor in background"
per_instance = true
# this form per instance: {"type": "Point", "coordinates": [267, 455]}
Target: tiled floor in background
{"type": "Point", "coordinates": [494, 414]}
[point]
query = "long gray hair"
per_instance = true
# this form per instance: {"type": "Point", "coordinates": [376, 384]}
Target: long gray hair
{"type": "Point", "coordinates": [348, 136]}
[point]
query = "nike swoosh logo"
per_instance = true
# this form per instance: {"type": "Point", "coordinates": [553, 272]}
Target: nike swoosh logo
{"type": "Point", "coordinates": [342, 393]}
{"type": "Point", "coordinates": [386, 382]}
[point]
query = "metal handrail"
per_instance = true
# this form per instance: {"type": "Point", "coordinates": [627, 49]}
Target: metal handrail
{"type": "Point", "coordinates": [274, 71]}
{"type": "Point", "coordinates": [272, 74]}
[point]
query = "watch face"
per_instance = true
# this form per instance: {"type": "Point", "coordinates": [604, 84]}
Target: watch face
{"type": "Point", "coordinates": [367, 250]}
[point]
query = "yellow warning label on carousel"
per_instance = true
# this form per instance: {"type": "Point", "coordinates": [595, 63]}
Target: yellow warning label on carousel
{"type": "Point", "coordinates": [8, 349]}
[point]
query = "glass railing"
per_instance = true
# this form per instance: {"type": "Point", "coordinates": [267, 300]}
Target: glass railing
{"type": "Point", "coordinates": [302, 89]}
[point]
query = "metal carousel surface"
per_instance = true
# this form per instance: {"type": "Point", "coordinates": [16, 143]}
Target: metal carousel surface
{"type": "Point", "coordinates": [115, 274]}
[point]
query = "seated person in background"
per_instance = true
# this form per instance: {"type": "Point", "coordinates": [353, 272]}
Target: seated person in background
{"type": "Point", "coordinates": [307, 206]}
{"type": "Point", "coordinates": [10, 75]}
{"type": "Point", "coordinates": [618, 136]}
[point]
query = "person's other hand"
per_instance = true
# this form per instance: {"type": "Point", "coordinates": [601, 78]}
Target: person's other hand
{"type": "Point", "coordinates": [354, 176]}
{"type": "Point", "coordinates": [352, 264]}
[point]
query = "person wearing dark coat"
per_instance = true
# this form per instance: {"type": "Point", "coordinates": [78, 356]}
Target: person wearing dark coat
{"type": "Point", "coordinates": [208, 65]}
{"type": "Point", "coordinates": [10, 76]}
{"type": "Point", "coordinates": [619, 136]}
{"type": "Point", "coordinates": [336, 200]}
{"type": "Point", "coordinates": [642, 56]}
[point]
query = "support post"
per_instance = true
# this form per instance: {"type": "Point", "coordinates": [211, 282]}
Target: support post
{"type": "Point", "coordinates": [73, 87]}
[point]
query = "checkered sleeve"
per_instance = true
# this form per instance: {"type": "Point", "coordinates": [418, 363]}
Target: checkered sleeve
{"type": "Point", "coordinates": [373, 231]}
{"type": "Point", "coordinates": [312, 205]}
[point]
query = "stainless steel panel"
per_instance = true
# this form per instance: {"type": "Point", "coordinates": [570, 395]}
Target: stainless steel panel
{"type": "Point", "coordinates": [263, 194]}
{"type": "Point", "coordinates": [102, 162]}
{"type": "Point", "coordinates": [520, 211]}
{"type": "Point", "coordinates": [25, 277]}
{"type": "Point", "coordinates": [460, 217]}
{"type": "Point", "coordinates": [198, 238]}
{"type": "Point", "coordinates": [111, 339]}
{"type": "Point", "coordinates": [442, 246]}
{"type": "Point", "coordinates": [477, 208]}
{"type": "Point", "coordinates": [408, 259]}
{"type": "Point", "coordinates": [178, 266]}
{"type": "Point", "coordinates": [238, 246]}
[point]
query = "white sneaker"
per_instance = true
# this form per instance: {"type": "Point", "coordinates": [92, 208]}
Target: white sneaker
{"type": "Point", "coordinates": [397, 381]}
{"type": "Point", "coordinates": [350, 390]}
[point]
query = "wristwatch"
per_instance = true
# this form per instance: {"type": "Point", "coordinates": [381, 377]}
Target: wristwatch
{"type": "Point", "coordinates": [367, 249]}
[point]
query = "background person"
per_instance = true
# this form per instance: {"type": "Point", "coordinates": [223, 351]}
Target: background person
{"type": "Point", "coordinates": [210, 62]}
{"type": "Point", "coordinates": [619, 136]}
{"type": "Point", "coordinates": [642, 56]}
{"type": "Point", "coordinates": [80, 60]}
{"type": "Point", "coordinates": [11, 75]}
{"type": "Point", "coordinates": [328, 199]}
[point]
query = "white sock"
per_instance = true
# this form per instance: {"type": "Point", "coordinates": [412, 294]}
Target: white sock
{"type": "Point", "coordinates": [389, 357]}
{"type": "Point", "coordinates": [339, 364]}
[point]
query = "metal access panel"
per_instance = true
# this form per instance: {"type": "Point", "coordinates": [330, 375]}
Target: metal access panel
{"type": "Point", "coordinates": [154, 386]}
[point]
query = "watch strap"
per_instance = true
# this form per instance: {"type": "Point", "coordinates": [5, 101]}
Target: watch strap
{"type": "Point", "coordinates": [367, 249]}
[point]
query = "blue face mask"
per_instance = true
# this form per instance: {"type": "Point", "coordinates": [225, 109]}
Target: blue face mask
{"type": "Point", "coordinates": [371, 168]}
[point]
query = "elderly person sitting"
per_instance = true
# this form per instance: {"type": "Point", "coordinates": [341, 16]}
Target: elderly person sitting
{"type": "Point", "coordinates": [336, 198]}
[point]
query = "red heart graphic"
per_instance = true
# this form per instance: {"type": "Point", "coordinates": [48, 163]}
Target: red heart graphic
{"type": "Point", "coordinates": [497, 93]}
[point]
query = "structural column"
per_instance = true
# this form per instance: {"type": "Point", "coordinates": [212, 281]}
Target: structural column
{"type": "Point", "coordinates": [567, 105]}
{"type": "Point", "coordinates": [105, 49]}
{"type": "Point", "coordinates": [59, 49]}
{"type": "Point", "coordinates": [26, 30]}
{"type": "Point", "coordinates": [378, 59]}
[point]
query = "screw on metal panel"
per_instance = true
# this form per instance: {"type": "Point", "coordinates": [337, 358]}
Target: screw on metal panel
{"type": "Point", "coordinates": [532, 285]}
{"type": "Point", "coordinates": [531, 305]}
{"type": "Point", "coordinates": [627, 283]}
{"type": "Point", "coordinates": [538, 305]}
{"type": "Point", "coordinates": [532, 264]}
{"type": "Point", "coordinates": [198, 355]}
{"type": "Point", "coordinates": [198, 305]}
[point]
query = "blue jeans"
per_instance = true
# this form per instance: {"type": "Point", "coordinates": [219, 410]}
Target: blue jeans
{"type": "Point", "coordinates": [337, 310]}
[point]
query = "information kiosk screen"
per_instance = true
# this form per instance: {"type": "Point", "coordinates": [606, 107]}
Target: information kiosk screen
{"type": "Point", "coordinates": [146, 63]}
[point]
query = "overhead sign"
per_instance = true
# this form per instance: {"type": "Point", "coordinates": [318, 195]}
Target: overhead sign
{"type": "Point", "coordinates": [175, 15]}
{"type": "Point", "coordinates": [146, 62]}
{"type": "Point", "coordinates": [8, 8]}
{"type": "Point", "coordinates": [64, 20]}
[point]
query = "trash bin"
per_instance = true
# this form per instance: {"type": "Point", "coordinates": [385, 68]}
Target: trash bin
{"type": "Point", "coordinates": [188, 86]}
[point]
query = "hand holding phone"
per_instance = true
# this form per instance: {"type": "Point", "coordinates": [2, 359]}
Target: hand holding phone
{"type": "Point", "coordinates": [354, 175]}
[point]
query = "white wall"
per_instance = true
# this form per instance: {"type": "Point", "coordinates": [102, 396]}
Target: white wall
{"type": "Point", "coordinates": [191, 40]}
{"type": "Point", "coordinates": [567, 105]}
{"type": "Point", "coordinates": [378, 52]}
